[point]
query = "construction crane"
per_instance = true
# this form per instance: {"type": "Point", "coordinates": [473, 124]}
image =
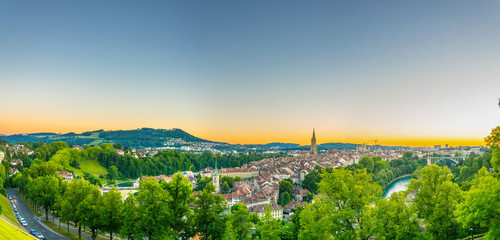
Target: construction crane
{"type": "Point", "coordinates": [375, 147]}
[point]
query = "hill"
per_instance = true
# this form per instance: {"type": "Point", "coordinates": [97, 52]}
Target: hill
{"type": "Point", "coordinates": [9, 227]}
{"type": "Point", "coordinates": [139, 138]}
{"type": "Point", "coordinates": [91, 166]}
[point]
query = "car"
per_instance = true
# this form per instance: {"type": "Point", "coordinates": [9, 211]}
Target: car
{"type": "Point", "coordinates": [21, 219]}
{"type": "Point", "coordinates": [39, 236]}
{"type": "Point", "coordinates": [10, 197]}
{"type": "Point", "coordinates": [15, 209]}
{"type": "Point", "coordinates": [24, 223]}
{"type": "Point", "coordinates": [14, 206]}
{"type": "Point", "coordinates": [33, 232]}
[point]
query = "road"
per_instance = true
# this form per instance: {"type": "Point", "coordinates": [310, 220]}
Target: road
{"type": "Point", "coordinates": [32, 220]}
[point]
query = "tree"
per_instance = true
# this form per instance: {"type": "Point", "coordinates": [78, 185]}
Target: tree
{"type": "Point", "coordinates": [89, 210]}
{"type": "Point", "coordinates": [367, 163]}
{"type": "Point", "coordinates": [152, 210]}
{"type": "Point", "coordinates": [47, 190]}
{"type": "Point", "coordinates": [314, 222]}
{"type": "Point", "coordinates": [112, 212]}
{"type": "Point", "coordinates": [225, 187]}
{"type": "Point", "coordinates": [113, 173]}
{"type": "Point", "coordinates": [229, 234]}
{"type": "Point", "coordinates": [493, 141]}
{"type": "Point", "coordinates": [209, 218]}
{"type": "Point", "coordinates": [285, 189]}
{"type": "Point", "coordinates": [393, 218]}
{"type": "Point", "coordinates": [130, 217]}
{"type": "Point", "coordinates": [180, 196]}
{"type": "Point", "coordinates": [239, 220]}
{"type": "Point", "coordinates": [269, 227]}
{"type": "Point", "coordinates": [349, 195]}
{"type": "Point", "coordinates": [436, 197]}
{"type": "Point", "coordinates": [284, 198]}
{"type": "Point", "coordinates": [480, 207]}
{"type": "Point", "coordinates": [76, 193]}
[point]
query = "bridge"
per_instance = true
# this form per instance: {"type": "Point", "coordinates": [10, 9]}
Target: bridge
{"type": "Point", "coordinates": [124, 191]}
{"type": "Point", "coordinates": [434, 160]}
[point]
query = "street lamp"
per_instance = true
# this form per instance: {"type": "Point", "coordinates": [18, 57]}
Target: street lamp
{"type": "Point", "coordinates": [471, 233]}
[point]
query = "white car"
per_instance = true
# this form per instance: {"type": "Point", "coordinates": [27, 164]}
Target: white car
{"type": "Point", "coordinates": [24, 223]}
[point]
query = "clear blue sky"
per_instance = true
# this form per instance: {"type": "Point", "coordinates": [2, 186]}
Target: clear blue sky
{"type": "Point", "coordinates": [254, 71]}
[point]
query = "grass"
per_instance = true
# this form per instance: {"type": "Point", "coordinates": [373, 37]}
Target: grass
{"type": "Point", "coordinates": [11, 232]}
{"type": "Point", "coordinates": [60, 230]}
{"type": "Point", "coordinates": [7, 210]}
{"type": "Point", "coordinates": [90, 166]}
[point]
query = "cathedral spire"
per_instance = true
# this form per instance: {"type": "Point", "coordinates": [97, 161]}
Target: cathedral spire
{"type": "Point", "coordinates": [314, 148]}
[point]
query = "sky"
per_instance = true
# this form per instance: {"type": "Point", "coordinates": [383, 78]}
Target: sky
{"type": "Point", "coordinates": [412, 73]}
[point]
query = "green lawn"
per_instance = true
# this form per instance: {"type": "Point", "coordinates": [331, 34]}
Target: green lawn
{"type": "Point", "coordinates": [92, 167]}
{"type": "Point", "coordinates": [7, 210]}
{"type": "Point", "coordinates": [11, 232]}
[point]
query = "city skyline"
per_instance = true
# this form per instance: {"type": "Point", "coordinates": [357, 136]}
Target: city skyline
{"type": "Point", "coordinates": [410, 74]}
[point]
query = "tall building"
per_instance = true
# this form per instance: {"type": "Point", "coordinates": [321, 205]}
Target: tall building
{"type": "Point", "coordinates": [314, 148]}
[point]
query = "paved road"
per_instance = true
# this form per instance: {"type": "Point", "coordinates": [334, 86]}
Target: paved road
{"type": "Point", "coordinates": [32, 220]}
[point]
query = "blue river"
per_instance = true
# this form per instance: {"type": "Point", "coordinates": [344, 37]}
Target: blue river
{"type": "Point", "coordinates": [396, 186]}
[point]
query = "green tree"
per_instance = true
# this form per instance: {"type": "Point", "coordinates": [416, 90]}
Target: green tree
{"type": "Point", "coordinates": [367, 163]}
{"type": "Point", "coordinates": [90, 211]}
{"type": "Point", "coordinates": [180, 197]}
{"type": "Point", "coordinates": [112, 212]}
{"type": "Point", "coordinates": [225, 187]}
{"type": "Point", "coordinates": [349, 194]}
{"type": "Point", "coordinates": [436, 197]}
{"type": "Point", "coordinates": [230, 234]}
{"type": "Point", "coordinates": [285, 189]}
{"type": "Point", "coordinates": [480, 207]}
{"type": "Point", "coordinates": [130, 217]}
{"type": "Point", "coordinates": [76, 192]}
{"type": "Point", "coordinates": [209, 218]}
{"type": "Point", "coordinates": [113, 173]}
{"type": "Point", "coordinates": [47, 190]}
{"type": "Point", "coordinates": [315, 222]}
{"type": "Point", "coordinates": [493, 141]}
{"type": "Point", "coordinates": [393, 218]}
{"type": "Point", "coordinates": [152, 210]}
{"type": "Point", "coordinates": [269, 227]}
{"type": "Point", "coordinates": [240, 221]}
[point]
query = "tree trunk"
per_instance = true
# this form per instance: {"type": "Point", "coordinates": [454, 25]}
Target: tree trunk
{"type": "Point", "coordinates": [79, 231]}
{"type": "Point", "coordinates": [68, 226]}
{"type": "Point", "coordinates": [47, 214]}
{"type": "Point", "coordinates": [111, 235]}
{"type": "Point", "coordinates": [93, 234]}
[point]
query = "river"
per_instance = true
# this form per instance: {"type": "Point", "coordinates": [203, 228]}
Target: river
{"type": "Point", "coordinates": [396, 186]}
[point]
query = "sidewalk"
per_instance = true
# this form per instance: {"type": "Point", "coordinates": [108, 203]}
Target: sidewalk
{"type": "Point", "coordinates": [72, 229]}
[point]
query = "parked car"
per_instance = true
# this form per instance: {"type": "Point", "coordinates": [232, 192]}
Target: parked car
{"type": "Point", "coordinates": [39, 236]}
{"type": "Point", "coordinates": [33, 232]}
{"type": "Point", "coordinates": [15, 209]}
{"type": "Point", "coordinates": [9, 196]}
{"type": "Point", "coordinates": [24, 223]}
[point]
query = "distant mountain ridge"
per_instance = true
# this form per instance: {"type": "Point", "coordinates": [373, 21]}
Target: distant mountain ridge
{"type": "Point", "coordinates": [139, 138]}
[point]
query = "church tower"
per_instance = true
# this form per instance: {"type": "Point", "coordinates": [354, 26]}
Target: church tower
{"type": "Point", "coordinates": [216, 179]}
{"type": "Point", "coordinates": [314, 148]}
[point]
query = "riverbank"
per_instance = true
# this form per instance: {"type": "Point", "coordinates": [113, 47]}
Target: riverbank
{"type": "Point", "coordinates": [398, 184]}
{"type": "Point", "coordinates": [395, 179]}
